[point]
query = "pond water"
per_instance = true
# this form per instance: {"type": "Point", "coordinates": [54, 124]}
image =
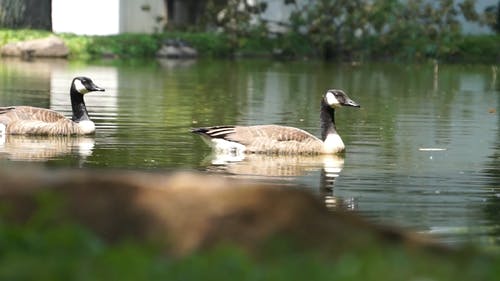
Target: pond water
{"type": "Point", "coordinates": [423, 151]}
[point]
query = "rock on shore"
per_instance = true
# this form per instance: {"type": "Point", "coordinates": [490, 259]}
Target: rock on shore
{"type": "Point", "coordinates": [49, 47]}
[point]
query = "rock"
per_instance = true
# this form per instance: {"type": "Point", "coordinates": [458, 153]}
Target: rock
{"type": "Point", "coordinates": [187, 212]}
{"type": "Point", "coordinates": [51, 46]}
{"type": "Point", "coordinates": [176, 49]}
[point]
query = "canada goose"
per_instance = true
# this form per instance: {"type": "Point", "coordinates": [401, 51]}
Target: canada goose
{"type": "Point", "coordinates": [275, 139]}
{"type": "Point", "coordinates": [28, 120]}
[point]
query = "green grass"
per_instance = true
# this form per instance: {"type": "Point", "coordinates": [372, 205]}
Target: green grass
{"type": "Point", "coordinates": [69, 252]}
{"type": "Point", "coordinates": [216, 45]}
{"type": "Point", "coordinates": [124, 45]}
{"type": "Point", "coordinates": [45, 248]}
{"type": "Point", "coordinates": [10, 35]}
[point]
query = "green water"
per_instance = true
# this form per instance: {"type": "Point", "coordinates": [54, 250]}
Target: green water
{"type": "Point", "coordinates": [422, 151]}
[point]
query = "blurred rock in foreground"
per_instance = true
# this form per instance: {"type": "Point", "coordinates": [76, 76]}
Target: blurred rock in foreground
{"type": "Point", "coordinates": [189, 211]}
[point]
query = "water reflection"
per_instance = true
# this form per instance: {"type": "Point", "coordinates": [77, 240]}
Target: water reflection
{"type": "Point", "coordinates": [280, 166]}
{"type": "Point", "coordinates": [175, 63]}
{"type": "Point", "coordinates": [43, 148]}
{"type": "Point", "coordinates": [422, 152]}
{"type": "Point", "coordinates": [492, 171]}
{"type": "Point", "coordinates": [283, 170]}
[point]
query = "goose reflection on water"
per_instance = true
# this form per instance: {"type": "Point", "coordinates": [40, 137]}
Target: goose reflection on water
{"type": "Point", "coordinates": [43, 148]}
{"type": "Point", "coordinates": [283, 170]}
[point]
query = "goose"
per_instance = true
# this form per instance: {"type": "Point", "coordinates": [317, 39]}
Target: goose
{"type": "Point", "coordinates": [28, 120]}
{"type": "Point", "coordinates": [277, 139]}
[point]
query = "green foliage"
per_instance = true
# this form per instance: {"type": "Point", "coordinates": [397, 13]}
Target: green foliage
{"type": "Point", "coordinates": [492, 17]}
{"type": "Point", "coordinates": [349, 29]}
{"type": "Point", "coordinates": [124, 46]}
{"type": "Point", "coordinates": [431, 30]}
{"type": "Point", "coordinates": [236, 18]}
{"type": "Point", "coordinates": [295, 45]}
{"type": "Point", "coordinates": [413, 28]}
{"type": "Point", "coordinates": [333, 26]}
{"type": "Point", "coordinates": [16, 35]}
{"type": "Point", "coordinates": [482, 49]}
{"type": "Point", "coordinates": [79, 46]}
{"type": "Point", "coordinates": [207, 43]}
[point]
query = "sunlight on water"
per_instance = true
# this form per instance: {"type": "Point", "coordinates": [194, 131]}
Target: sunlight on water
{"type": "Point", "coordinates": [422, 151]}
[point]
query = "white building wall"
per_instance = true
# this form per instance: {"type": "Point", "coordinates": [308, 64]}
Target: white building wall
{"type": "Point", "coordinates": [145, 16]}
{"type": "Point", "coordinates": [98, 17]}
{"type": "Point", "coordinates": [89, 17]}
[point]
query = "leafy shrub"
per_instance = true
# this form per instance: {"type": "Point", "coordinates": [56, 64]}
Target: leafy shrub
{"type": "Point", "coordinates": [207, 43]}
{"type": "Point", "coordinates": [483, 49]}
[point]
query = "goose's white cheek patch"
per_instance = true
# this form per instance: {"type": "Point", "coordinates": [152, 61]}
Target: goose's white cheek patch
{"type": "Point", "coordinates": [332, 100]}
{"type": "Point", "coordinates": [79, 87]}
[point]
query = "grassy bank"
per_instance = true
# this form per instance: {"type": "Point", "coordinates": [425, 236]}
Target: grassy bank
{"type": "Point", "coordinates": [482, 49]}
{"type": "Point", "coordinates": [44, 250]}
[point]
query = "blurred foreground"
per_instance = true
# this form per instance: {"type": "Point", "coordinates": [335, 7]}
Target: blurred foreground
{"type": "Point", "coordinates": [96, 224]}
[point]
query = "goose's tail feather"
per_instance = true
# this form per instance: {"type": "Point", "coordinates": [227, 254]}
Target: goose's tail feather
{"type": "Point", "coordinates": [220, 132]}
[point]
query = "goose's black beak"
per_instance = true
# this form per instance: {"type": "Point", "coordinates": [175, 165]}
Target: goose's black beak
{"type": "Point", "coordinates": [349, 102]}
{"type": "Point", "coordinates": [95, 88]}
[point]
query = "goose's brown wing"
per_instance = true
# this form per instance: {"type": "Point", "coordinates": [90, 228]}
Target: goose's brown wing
{"type": "Point", "coordinates": [266, 138]}
{"type": "Point", "coordinates": [276, 139]}
{"type": "Point", "coordinates": [27, 120]}
{"type": "Point", "coordinates": [247, 134]}
{"type": "Point", "coordinates": [28, 113]}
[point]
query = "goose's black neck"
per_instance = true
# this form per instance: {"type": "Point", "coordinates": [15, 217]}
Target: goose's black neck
{"type": "Point", "coordinates": [78, 106]}
{"type": "Point", "coordinates": [327, 118]}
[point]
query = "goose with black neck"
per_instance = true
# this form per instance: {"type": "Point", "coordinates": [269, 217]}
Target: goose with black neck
{"type": "Point", "coordinates": [277, 139]}
{"type": "Point", "coordinates": [28, 120]}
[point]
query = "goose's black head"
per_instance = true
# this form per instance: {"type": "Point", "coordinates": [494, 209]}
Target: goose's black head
{"type": "Point", "coordinates": [337, 98]}
{"type": "Point", "coordinates": [84, 85]}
